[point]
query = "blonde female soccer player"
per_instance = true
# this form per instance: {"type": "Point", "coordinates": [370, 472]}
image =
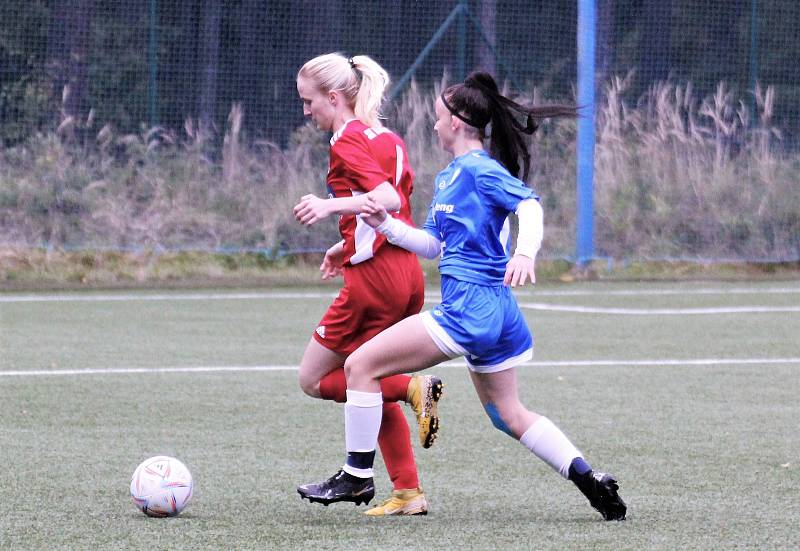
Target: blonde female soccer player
{"type": "Point", "coordinates": [383, 283]}
{"type": "Point", "coordinates": [478, 316]}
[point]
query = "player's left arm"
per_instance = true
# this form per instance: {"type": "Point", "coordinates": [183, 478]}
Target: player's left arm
{"type": "Point", "coordinates": [531, 231]}
{"type": "Point", "coordinates": [332, 262]}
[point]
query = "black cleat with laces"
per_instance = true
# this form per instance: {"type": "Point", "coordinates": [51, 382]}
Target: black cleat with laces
{"type": "Point", "coordinates": [340, 487]}
{"type": "Point", "coordinates": [601, 491]}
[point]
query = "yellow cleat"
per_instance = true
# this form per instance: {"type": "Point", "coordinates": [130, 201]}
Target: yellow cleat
{"type": "Point", "coordinates": [424, 392]}
{"type": "Point", "coordinates": [402, 502]}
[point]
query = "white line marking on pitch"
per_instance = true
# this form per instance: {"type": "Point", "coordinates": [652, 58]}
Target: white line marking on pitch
{"type": "Point", "coordinates": [658, 311]}
{"type": "Point", "coordinates": [279, 295]}
{"type": "Point", "coordinates": [157, 297]}
{"type": "Point", "coordinates": [267, 368]}
{"type": "Point", "coordinates": [659, 292]}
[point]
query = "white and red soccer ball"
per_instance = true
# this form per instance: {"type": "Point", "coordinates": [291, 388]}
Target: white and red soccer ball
{"type": "Point", "coordinates": [161, 486]}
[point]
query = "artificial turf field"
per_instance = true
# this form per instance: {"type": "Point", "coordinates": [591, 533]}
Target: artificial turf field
{"type": "Point", "coordinates": [687, 392]}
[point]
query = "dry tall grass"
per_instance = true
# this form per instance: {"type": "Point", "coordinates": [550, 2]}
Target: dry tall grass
{"type": "Point", "coordinates": [158, 191]}
{"type": "Point", "coordinates": [676, 176]}
{"type": "Point", "coordinates": [680, 176]}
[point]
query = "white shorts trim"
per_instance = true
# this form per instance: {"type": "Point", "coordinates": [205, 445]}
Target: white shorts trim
{"type": "Point", "coordinates": [502, 366]}
{"type": "Point", "coordinates": [445, 342]}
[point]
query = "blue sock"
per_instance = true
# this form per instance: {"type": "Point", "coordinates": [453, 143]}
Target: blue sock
{"type": "Point", "coordinates": [360, 463]}
{"type": "Point", "coordinates": [578, 467]}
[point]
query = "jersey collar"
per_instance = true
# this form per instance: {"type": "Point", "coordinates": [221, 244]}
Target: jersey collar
{"type": "Point", "coordinates": [338, 133]}
{"type": "Point", "coordinates": [473, 152]}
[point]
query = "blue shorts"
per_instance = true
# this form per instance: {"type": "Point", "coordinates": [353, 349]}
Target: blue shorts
{"type": "Point", "coordinates": [482, 323]}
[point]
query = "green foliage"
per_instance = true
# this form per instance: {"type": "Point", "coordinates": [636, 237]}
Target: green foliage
{"type": "Point", "coordinates": [117, 83]}
{"type": "Point", "coordinates": [27, 100]}
{"type": "Point", "coordinates": [26, 105]}
{"type": "Point", "coordinates": [261, 44]}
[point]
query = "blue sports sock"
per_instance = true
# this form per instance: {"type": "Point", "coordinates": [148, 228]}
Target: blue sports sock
{"type": "Point", "coordinates": [360, 460]}
{"type": "Point", "coordinates": [579, 466]}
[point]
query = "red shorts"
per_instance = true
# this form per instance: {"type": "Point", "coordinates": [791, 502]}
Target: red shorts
{"type": "Point", "coordinates": [377, 294]}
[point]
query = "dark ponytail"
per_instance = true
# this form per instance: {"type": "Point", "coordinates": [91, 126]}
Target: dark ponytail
{"type": "Point", "coordinates": [478, 102]}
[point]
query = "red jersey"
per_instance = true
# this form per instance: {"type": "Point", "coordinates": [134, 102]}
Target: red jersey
{"type": "Point", "coordinates": [361, 158]}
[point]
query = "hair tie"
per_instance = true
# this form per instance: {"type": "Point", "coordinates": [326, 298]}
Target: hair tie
{"type": "Point", "coordinates": [456, 114]}
{"type": "Point", "coordinates": [495, 97]}
{"type": "Point", "coordinates": [530, 125]}
{"type": "Point", "coordinates": [352, 63]}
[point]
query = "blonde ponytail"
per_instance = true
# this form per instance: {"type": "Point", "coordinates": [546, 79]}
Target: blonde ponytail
{"type": "Point", "coordinates": [374, 82]}
{"type": "Point", "coordinates": [361, 80]}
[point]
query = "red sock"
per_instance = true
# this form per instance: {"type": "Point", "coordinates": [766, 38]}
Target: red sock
{"type": "Point", "coordinates": [333, 386]}
{"type": "Point", "coordinates": [395, 388]}
{"type": "Point", "coordinates": [394, 440]}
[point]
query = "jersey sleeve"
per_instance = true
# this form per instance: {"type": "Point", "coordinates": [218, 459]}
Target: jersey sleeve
{"type": "Point", "coordinates": [501, 189]}
{"type": "Point", "coordinates": [366, 162]}
{"type": "Point", "coordinates": [430, 224]}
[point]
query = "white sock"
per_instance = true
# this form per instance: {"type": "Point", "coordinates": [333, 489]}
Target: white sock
{"type": "Point", "coordinates": [549, 444]}
{"type": "Point", "coordinates": [362, 422]}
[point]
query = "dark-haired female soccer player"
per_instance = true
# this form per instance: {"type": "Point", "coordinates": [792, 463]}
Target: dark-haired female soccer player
{"type": "Point", "coordinates": [478, 317]}
{"type": "Point", "coordinates": [383, 283]}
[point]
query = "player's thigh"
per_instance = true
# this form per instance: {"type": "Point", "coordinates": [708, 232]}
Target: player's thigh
{"type": "Point", "coordinates": [317, 362]}
{"type": "Point", "coordinates": [405, 347]}
{"type": "Point", "coordinates": [496, 388]}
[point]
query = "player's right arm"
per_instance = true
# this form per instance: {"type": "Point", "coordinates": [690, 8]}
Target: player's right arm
{"type": "Point", "coordinates": [399, 233]}
{"type": "Point", "coordinates": [312, 209]}
{"type": "Point", "coordinates": [522, 265]}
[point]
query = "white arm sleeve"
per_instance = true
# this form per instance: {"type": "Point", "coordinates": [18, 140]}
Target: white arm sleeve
{"type": "Point", "coordinates": [413, 239]}
{"type": "Point", "coordinates": [531, 228]}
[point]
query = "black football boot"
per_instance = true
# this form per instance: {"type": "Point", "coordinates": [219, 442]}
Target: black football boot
{"type": "Point", "coordinates": [340, 487]}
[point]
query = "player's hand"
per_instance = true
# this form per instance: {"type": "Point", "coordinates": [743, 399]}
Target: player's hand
{"type": "Point", "coordinates": [518, 270]}
{"type": "Point", "coordinates": [332, 263]}
{"type": "Point", "coordinates": [373, 213]}
{"type": "Point", "coordinates": [311, 209]}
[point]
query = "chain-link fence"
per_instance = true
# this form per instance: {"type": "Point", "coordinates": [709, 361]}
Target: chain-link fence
{"type": "Point", "coordinates": [115, 80]}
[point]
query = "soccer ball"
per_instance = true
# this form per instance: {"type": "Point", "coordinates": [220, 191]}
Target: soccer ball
{"type": "Point", "coordinates": [161, 486]}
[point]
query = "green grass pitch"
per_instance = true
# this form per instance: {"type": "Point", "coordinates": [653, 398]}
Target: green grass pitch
{"type": "Point", "coordinates": [707, 453]}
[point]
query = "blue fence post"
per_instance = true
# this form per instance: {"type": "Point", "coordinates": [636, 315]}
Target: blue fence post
{"type": "Point", "coordinates": [587, 22]}
{"type": "Point", "coordinates": [152, 61]}
{"type": "Point", "coordinates": [461, 44]}
{"type": "Point", "coordinates": [753, 63]}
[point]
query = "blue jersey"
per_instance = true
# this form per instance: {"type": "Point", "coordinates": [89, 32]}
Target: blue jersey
{"type": "Point", "coordinates": [473, 198]}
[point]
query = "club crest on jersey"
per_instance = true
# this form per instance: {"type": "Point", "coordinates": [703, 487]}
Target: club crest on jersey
{"type": "Point", "coordinates": [443, 207]}
{"type": "Point", "coordinates": [456, 173]}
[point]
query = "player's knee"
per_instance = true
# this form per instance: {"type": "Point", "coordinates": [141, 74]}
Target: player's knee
{"type": "Point", "coordinates": [351, 366]}
{"type": "Point", "coordinates": [309, 385]}
{"type": "Point", "coordinates": [497, 419]}
{"type": "Point", "coordinates": [356, 368]}
{"type": "Point", "coordinates": [308, 380]}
